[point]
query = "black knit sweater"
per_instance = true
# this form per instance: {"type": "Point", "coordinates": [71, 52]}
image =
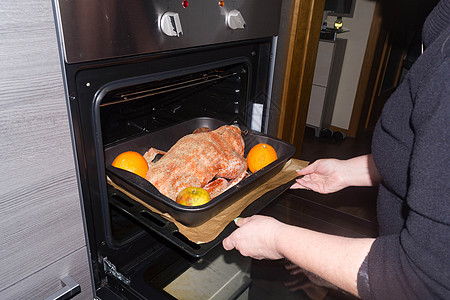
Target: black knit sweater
{"type": "Point", "coordinates": [411, 149]}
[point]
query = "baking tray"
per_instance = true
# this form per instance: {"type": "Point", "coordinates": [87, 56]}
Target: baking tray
{"type": "Point", "coordinates": [164, 139]}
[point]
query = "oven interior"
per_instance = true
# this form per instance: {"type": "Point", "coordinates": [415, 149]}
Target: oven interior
{"type": "Point", "coordinates": [219, 93]}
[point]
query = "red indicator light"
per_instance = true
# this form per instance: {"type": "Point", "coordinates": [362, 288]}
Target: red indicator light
{"type": "Point", "coordinates": [185, 3]}
{"type": "Point", "coordinates": [221, 3]}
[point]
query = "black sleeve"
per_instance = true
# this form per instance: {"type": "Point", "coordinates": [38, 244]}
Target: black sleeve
{"type": "Point", "coordinates": [363, 280]}
{"type": "Point", "coordinates": [415, 264]}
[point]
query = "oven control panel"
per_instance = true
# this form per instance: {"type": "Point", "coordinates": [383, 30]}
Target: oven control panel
{"type": "Point", "coordinates": [170, 23]}
{"type": "Point", "coordinates": [101, 29]}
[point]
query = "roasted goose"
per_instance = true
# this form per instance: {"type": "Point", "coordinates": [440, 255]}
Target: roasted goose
{"type": "Point", "coordinates": [213, 160]}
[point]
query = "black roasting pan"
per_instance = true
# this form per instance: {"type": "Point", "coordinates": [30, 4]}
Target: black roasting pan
{"type": "Point", "coordinates": [164, 139]}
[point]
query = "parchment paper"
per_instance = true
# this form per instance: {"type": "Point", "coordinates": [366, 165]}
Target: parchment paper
{"type": "Point", "coordinates": [209, 230]}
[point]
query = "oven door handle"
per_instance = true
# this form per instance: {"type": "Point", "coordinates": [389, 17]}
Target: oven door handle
{"type": "Point", "coordinates": [69, 290]}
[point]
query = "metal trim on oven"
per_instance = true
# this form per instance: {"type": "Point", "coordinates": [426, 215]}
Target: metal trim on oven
{"type": "Point", "coordinates": [93, 30]}
{"type": "Point", "coordinates": [268, 106]}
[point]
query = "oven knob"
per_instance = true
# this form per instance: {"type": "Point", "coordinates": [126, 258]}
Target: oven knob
{"type": "Point", "coordinates": [235, 19]}
{"type": "Point", "coordinates": [170, 24]}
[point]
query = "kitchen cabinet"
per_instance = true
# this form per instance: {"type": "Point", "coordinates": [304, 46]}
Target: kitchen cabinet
{"type": "Point", "coordinates": [42, 237]}
{"type": "Point", "coordinates": [44, 282]}
{"type": "Point", "coordinates": [330, 57]}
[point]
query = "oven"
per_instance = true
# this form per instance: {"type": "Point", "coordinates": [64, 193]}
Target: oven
{"type": "Point", "coordinates": [138, 67]}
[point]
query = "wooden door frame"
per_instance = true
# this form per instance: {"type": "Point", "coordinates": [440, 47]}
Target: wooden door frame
{"type": "Point", "coordinates": [377, 52]}
{"type": "Point", "coordinates": [303, 42]}
{"type": "Point", "coordinates": [366, 81]}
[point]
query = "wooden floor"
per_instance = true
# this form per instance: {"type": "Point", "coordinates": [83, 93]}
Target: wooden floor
{"type": "Point", "coordinates": [358, 201]}
{"type": "Point", "coordinates": [315, 148]}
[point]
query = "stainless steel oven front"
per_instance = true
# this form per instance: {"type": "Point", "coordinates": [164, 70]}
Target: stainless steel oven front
{"type": "Point", "coordinates": [133, 67]}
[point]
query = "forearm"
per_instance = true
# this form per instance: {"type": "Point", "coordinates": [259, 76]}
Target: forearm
{"type": "Point", "coordinates": [334, 258]}
{"type": "Point", "coordinates": [361, 171]}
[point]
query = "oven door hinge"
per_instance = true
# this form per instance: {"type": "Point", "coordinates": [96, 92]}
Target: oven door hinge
{"type": "Point", "coordinates": [110, 269]}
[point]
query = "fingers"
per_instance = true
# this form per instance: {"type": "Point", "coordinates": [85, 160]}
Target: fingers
{"type": "Point", "coordinates": [311, 168]}
{"type": "Point", "coordinates": [306, 170]}
{"type": "Point", "coordinates": [297, 185]}
{"type": "Point", "coordinates": [305, 183]}
{"type": "Point", "coordinates": [229, 242]}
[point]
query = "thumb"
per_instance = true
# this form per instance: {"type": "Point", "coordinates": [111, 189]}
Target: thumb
{"type": "Point", "coordinates": [306, 170]}
{"type": "Point", "coordinates": [240, 221]}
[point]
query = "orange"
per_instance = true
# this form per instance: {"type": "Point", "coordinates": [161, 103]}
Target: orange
{"type": "Point", "coordinates": [193, 196]}
{"type": "Point", "coordinates": [260, 156]}
{"type": "Point", "coordinates": [132, 162]}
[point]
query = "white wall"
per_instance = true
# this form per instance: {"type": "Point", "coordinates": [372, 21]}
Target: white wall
{"type": "Point", "coordinates": [357, 37]}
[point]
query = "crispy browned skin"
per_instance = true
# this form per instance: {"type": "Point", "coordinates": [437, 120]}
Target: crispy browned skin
{"type": "Point", "coordinates": [196, 159]}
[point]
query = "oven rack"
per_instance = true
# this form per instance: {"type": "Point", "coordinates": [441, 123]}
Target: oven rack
{"type": "Point", "coordinates": [128, 95]}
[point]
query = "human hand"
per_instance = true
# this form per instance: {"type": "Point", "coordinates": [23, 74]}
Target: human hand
{"type": "Point", "coordinates": [323, 176]}
{"type": "Point", "coordinates": [255, 237]}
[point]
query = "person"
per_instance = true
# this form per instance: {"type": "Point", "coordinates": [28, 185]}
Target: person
{"type": "Point", "coordinates": [410, 162]}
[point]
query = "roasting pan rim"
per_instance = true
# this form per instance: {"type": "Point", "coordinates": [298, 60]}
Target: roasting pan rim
{"type": "Point", "coordinates": [191, 215]}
